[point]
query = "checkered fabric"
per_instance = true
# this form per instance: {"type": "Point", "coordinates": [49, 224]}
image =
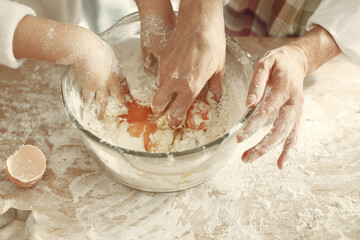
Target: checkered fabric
{"type": "Point", "coordinates": [275, 18]}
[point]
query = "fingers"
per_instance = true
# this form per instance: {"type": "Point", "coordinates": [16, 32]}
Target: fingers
{"type": "Point", "coordinates": [87, 96]}
{"type": "Point", "coordinates": [101, 98]}
{"type": "Point", "coordinates": [215, 85]}
{"type": "Point", "coordinates": [204, 92]}
{"type": "Point", "coordinates": [179, 108]}
{"type": "Point", "coordinates": [281, 129]}
{"type": "Point", "coordinates": [149, 59]}
{"type": "Point", "coordinates": [262, 73]}
{"type": "Point", "coordinates": [162, 98]}
{"type": "Point", "coordinates": [116, 88]}
{"type": "Point", "coordinates": [265, 112]}
{"type": "Point", "coordinates": [289, 145]}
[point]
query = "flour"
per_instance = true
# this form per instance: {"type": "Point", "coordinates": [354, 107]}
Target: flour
{"type": "Point", "coordinates": [315, 196]}
{"type": "Point", "coordinates": [142, 86]}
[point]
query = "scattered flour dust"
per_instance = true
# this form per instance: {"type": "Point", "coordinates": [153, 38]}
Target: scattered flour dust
{"type": "Point", "coordinates": [142, 87]}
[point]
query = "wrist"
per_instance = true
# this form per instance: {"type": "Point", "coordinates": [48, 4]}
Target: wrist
{"type": "Point", "coordinates": [93, 59]}
{"type": "Point", "coordinates": [77, 46]}
{"type": "Point", "coordinates": [49, 40]}
{"type": "Point", "coordinates": [158, 7]}
{"type": "Point", "coordinates": [315, 48]}
{"type": "Point", "coordinates": [160, 11]}
{"type": "Point", "coordinates": [87, 49]}
{"type": "Point", "coordinates": [201, 13]}
{"type": "Point", "coordinates": [302, 57]}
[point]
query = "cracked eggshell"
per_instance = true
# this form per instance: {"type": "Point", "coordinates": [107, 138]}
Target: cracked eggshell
{"type": "Point", "coordinates": [26, 166]}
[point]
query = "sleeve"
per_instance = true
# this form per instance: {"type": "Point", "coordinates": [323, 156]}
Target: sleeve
{"type": "Point", "coordinates": [340, 19]}
{"type": "Point", "coordinates": [11, 14]}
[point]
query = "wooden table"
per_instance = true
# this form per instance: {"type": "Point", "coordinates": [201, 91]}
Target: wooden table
{"type": "Point", "coordinates": [316, 195]}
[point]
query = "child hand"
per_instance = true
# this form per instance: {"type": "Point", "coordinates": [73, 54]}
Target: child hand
{"type": "Point", "coordinates": [93, 60]}
{"type": "Point", "coordinates": [99, 73]}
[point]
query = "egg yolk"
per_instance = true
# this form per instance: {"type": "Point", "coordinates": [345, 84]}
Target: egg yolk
{"type": "Point", "coordinates": [198, 115]}
{"type": "Point", "coordinates": [141, 121]}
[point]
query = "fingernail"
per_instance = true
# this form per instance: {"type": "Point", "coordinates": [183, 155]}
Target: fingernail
{"type": "Point", "coordinates": [155, 110]}
{"type": "Point", "coordinates": [280, 164]}
{"type": "Point", "coordinates": [243, 157]}
{"type": "Point", "coordinates": [241, 137]}
{"type": "Point", "coordinates": [173, 122]}
{"type": "Point", "coordinates": [157, 82]}
{"type": "Point", "coordinates": [250, 100]}
{"type": "Point", "coordinates": [250, 156]}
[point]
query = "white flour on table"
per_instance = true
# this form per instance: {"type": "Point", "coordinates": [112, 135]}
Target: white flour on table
{"type": "Point", "coordinates": [316, 195]}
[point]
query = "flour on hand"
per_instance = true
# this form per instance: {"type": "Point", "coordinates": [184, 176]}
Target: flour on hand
{"type": "Point", "coordinates": [206, 121]}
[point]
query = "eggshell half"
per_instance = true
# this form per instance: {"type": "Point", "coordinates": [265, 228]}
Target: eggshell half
{"type": "Point", "coordinates": [26, 166]}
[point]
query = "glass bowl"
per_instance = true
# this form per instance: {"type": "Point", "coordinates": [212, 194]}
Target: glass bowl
{"type": "Point", "coordinates": [158, 172]}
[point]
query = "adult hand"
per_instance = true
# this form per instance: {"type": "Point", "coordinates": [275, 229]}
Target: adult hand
{"type": "Point", "coordinates": [193, 57]}
{"type": "Point", "coordinates": [158, 20]}
{"type": "Point", "coordinates": [283, 71]}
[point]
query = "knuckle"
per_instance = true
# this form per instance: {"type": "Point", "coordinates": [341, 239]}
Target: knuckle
{"type": "Point", "coordinates": [264, 62]}
{"type": "Point", "coordinates": [268, 110]}
{"type": "Point", "coordinates": [286, 94]}
{"type": "Point", "coordinates": [268, 53]}
{"type": "Point", "coordinates": [189, 93]}
{"type": "Point", "coordinates": [257, 85]}
{"type": "Point", "coordinates": [188, 86]}
{"type": "Point", "coordinates": [283, 96]}
{"type": "Point", "coordinates": [299, 98]}
{"type": "Point", "coordinates": [262, 149]}
{"type": "Point", "coordinates": [261, 65]}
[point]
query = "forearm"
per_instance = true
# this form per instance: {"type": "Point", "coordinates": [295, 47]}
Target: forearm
{"type": "Point", "coordinates": [316, 47]}
{"type": "Point", "coordinates": [208, 12]}
{"type": "Point", "coordinates": [52, 41]}
{"type": "Point", "coordinates": [158, 7]}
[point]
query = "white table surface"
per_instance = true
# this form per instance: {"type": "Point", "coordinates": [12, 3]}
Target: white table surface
{"type": "Point", "coordinates": [316, 195]}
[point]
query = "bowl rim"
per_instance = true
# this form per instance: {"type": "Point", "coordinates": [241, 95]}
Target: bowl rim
{"type": "Point", "coordinates": [162, 155]}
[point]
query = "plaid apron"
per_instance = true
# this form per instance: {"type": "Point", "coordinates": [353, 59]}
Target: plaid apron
{"type": "Point", "coordinates": [275, 18]}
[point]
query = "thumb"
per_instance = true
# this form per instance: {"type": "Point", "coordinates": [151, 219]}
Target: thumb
{"type": "Point", "coordinates": [215, 85]}
{"type": "Point", "coordinates": [149, 58]}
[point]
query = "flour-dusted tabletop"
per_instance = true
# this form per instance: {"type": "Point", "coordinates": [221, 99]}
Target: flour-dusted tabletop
{"type": "Point", "coordinates": [316, 195]}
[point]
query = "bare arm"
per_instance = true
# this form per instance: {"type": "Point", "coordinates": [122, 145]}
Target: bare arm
{"type": "Point", "coordinates": [93, 60]}
{"type": "Point", "coordinates": [157, 23]}
{"type": "Point", "coordinates": [193, 59]}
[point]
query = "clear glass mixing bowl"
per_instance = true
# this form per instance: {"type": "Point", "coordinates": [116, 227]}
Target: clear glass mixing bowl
{"type": "Point", "coordinates": [158, 172]}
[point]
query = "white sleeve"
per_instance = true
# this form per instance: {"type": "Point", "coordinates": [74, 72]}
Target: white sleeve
{"type": "Point", "coordinates": [340, 19]}
{"type": "Point", "coordinates": [11, 14]}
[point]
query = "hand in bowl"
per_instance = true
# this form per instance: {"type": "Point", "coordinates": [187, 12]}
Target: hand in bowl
{"type": "Point", "coordinates": [99, 72]}
{"type": "Point", "coordinates": [193, 57]}
{"type": "Point", "coordinates": [93, 60]}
